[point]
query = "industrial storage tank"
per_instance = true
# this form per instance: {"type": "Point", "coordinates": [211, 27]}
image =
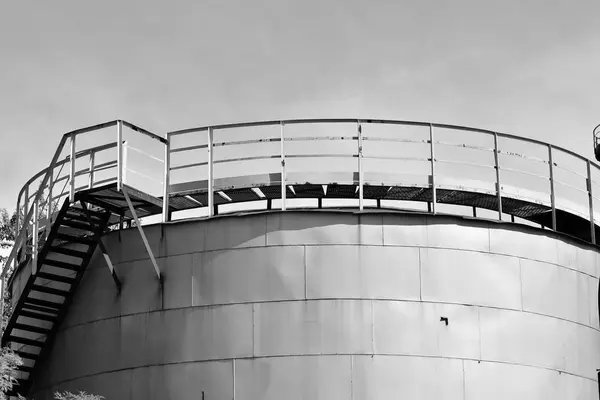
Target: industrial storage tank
{"type": "Point", "coordinates": [336, 281]}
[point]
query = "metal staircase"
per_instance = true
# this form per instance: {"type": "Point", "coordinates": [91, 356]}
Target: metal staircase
{"type": "Point", "coordinates": [57, 270]}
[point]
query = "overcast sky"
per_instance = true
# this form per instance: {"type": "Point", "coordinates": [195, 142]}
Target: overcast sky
{"type": "Point", "coordinates": [531, 68]}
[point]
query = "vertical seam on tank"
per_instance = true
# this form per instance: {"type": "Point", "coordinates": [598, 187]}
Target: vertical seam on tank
{"type": "Point", "coordinates": [464, 381]}
{"type": "Point", "coordinates": [420, 282]}
{"type": "Point", "coordinates": [253, 334]}
{"type": "Point", "coordinates": [479, 329]}
{"type": "Point", "coordinates": [382, 236]}
{"type": "Point", "coordinates": [372, 328]}
{"type": "Point", "coordinates": [192, 266]}
{"type": "Point", "coordinates": [305, 283]}
{"type": "Point", "coordinates": [521, 281]}
{"type": "Point", "coordinates": [233, 368]}
{"type": "Point", "coordinates": [351, 377]}
{"type": "Point", "coordinates": [266, 229]}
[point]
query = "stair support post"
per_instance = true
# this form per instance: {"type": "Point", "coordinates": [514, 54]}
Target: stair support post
{"type": "Point", "coordinates": [552, 192]}
{"type": "Point", "coordinates": [35, 238]}
{"type": "Point", "coordinates": [432, 161]}
{"type": "Point", "coordinates": [141, 230]}
{"type": "Point", "coordinates": [211, 201]}
{"type": "Point", "coordinates": [361, 180]}
{"type": "Point", "coordinates": [166, 181]}
{"type": "Point", "coordinates": [283, 172]}
{"type": "Point", "coordinates": [72, 170]}
{"type": "Point", "coordinates": [119, 155]}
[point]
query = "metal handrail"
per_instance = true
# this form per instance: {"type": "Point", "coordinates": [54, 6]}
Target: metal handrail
{"type": "Point", "coordinates": [210, 162]}
{"type": "Point", "coordinates": [378, 121]}
{"type": "Point", "coordinates": [31, 201]}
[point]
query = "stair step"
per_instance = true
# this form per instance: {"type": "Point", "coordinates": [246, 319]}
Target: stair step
{"type": "Point", "coordinates": [81, 211]}
{"type": "Point", "coordinates": [41, 309]}
{"type": "Point", "coordinates": [34, 315]}
{"type": "Point", "coordinates": [27, 355]}
{"type": "Point", "coordinates": [25, 341]}
{"type": "Point", "coordinates": [81, 217]}
{"type": "Point", "coordinates": [49, 290]}
{"type": "Point", "coordinates": [75, 239]}
{"type": "Point", "coordinates": [68, 252]}
{"type": "Point", "coordinates": [18, 388]}
{"type": "Point", "coordinates": [78, 225]}
{"type": "Point", "coordinates": [26, 368]}
{"type": "Point", "coordinates": [44, 303]}
{"type": "Point", "coordinates": [61, 264]}
{"type": "Point", "coordinates": [30, 328]}
{"type": "Point", "coordinates": [57, 278]}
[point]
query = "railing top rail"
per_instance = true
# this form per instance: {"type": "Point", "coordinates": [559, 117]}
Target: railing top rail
{"type": "Point", "coordinates": [56, 162]}
{"type": "Point", "coordinates": [79, 154]}
{"type": "Point", "coordinates": [379, 121]}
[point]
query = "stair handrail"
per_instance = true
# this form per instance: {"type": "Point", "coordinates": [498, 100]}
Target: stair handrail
{"type": "Point", "coordinates": [24, 228]}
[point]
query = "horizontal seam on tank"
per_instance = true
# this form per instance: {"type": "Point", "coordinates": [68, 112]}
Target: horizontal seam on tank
{"type": "Point", "coordinates": [221, 360]}
{"type": "Point", "coordinates": [357, 244]}
{"type": "Point", "coordinates": [332, 299]}
{"type": "Point", "coordinates": [463, 220]}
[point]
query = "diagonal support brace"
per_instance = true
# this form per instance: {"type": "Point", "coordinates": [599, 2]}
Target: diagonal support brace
{"type": "Point", "coordinates": [141, 230]}
{"type": "Point", "coordinates": [109, 263]}
{"type": "Point", "coordinates": [111, 268]}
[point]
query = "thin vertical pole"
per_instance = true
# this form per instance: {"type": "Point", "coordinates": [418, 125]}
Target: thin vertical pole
{"type": "Point", "coordinates": [124, 173]}
{"type": "Point", "coordinates": [361, 181]}
{"type": "Point", "coordinates": [72, 171]}
{"type": "Point", "coordinates": [591, 202]}
{"type": "Point", "coordinates": [34, 238]}
{"type": "Point", "coordinates": [18, 220]}
{"type": "Point", "coordinates": [498, 185]}
{"type": "Point", "coordinates": [92, 166]}
{"type": "Point", "coordinates": [283, 172]}
{"type": "Point", "coordinates": [49, 208]}
{"type": "Point", "coordinates": [552, 193]}
{"type": "Point", "coordinates": [209, 146]}
{"type": "Point", "coordinates": [25, 212]}
{"type": "Point", "coordinates": [166, 180]}
{"type": "Point", "coordinates": [119, 155]}
{"type": "Point", "coordinates": [432, 156]}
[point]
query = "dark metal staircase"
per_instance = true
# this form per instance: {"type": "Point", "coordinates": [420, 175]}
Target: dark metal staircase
{"type": "Point", "coordinates": [46, 295]}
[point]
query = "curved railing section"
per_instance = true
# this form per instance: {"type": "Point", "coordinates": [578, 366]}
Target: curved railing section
{"type": "Point", "coordinates": [382, 163]}
{"type": "Point", "coordinates": [360, 163]}
{"type": "Point", "coordinates": [84, 159]}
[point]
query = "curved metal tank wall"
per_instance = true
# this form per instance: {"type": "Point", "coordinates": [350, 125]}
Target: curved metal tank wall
{"type": "Point", "coordinates": [326, 305]}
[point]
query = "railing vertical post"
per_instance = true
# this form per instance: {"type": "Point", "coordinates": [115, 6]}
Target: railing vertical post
{"type": "Point", "coordinates": [124, 165]}
{"type": "Point", "coordinates": [49, 207]}
{"type": "Point", "coordinates": [25, 226]}
{"type": "Point", "coordinates": [18, 219]}
{"type": "Point", "coordinates": [361, 181]}
{"type": "Point", "coordinates": [211, 202]}
{"type": "Point", "coordinates": [119, 155]}
{"type": "Point", "coordinates": [92, 166]}
{"type": "Point", "coordinates": [497, 168]}
{"type": "Point", "coordinates": [34, 238]}
{"type": "Point", "coordinates": [72, 170]}
{"type": "Point", "coordinates": [166, 180]}
{"type": "Point", "coordinates": [432, 156]}
{"type": "Point", "coordinates": [283, 172]}
{"type": "Point", "coordinates": [552, 193]}
{"type": "Point", "coordinates": [591, 202]}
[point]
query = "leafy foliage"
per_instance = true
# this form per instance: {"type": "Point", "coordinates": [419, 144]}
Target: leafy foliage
{"type": "Point", "coordinates": [9, 362]}
{"type": "Point", "coordinates": [78, 396]}
{"type": "Point", "coordinates": [7, 226]}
